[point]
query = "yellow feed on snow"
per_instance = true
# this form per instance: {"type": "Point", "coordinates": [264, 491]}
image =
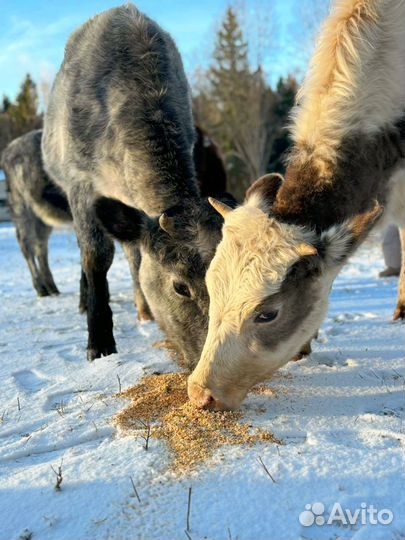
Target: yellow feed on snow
{"type": "Point", "coordinates": [160, 401]}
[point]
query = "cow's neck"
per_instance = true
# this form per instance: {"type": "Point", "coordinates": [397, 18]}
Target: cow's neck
{"type": "Point", "coordinates": [348, 124]}
{"type": "Point", "coordinates": [321, 196]}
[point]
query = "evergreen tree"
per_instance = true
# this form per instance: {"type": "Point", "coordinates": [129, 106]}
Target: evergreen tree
{"type": "Point", "coordinates": [238, 108]}
{"type": "Point", "coordinates": [231, 65]}
{"type": "Point", "coordinates": [21, 116]}
{"type": "Point", "coordinates": [5, 105]}
{"type": "Point", "coordinates": [24, 112]}
{"type": "Point", "coordinates": [227, 82]}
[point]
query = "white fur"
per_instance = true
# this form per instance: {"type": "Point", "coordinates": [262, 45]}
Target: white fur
{"type": "Point", "coordinates": [395, 212]}
{"type": "Point", "coordinates": [48, 217]}
{"type": "Point", "coordinates": [356, 84]}
{"type": "Point", "coordinates": [251, 261]}
{"type": "Point", "coordinates": [356, 81]}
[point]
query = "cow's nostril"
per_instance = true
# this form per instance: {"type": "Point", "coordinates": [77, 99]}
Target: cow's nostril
{"type": "Point", "coordinates": [199, 396]}
{"type": "Point", "coordinates": [209, 403]}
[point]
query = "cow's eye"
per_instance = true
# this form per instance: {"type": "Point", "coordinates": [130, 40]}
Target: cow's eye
{"type": "Point", "coordinates": [181, 289]}
{"type": "Point", "coordinates": [266, 317]}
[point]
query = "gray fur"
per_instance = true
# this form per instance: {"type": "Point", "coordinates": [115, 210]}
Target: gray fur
{"type": "Point", "coordinates": [119, 124]}
{"type": "Point", "coordinates": [36, 205]}
{"type": "Point", "coordinates": [120, 114]}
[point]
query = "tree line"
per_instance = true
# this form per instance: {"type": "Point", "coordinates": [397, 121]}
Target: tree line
{"type": "Point", "coordinates": [233, 102]}
{"type": "Point", "coordinates": [240, 110]}
{"type": "Point", "coordinates": [20, 116]}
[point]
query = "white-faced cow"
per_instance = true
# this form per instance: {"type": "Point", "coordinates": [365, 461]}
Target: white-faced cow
{"type": "Point", "coordinates": [118, 140]}
{"type": "Point", "coordinates": [281, 250]}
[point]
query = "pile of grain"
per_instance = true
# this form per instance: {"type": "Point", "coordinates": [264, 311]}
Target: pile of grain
{"type": "Point", "coordinates": [159, 403]}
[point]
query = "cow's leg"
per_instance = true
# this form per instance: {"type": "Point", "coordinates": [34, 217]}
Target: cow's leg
{"type": "Point", "coordinates": [43, 233]}
{"type": "Point", "coordinates": [97, 252]}
{"type": "Point", "coordinates": [26, 227]}
{"type": "Point", "coordinates": [29, 255]}
{"type": "Point", "coordinates": [400, 310]}
{"type": "Point", "coordinates": [83, 293]}
{"type": "Point", "coordinates": [134, 260]}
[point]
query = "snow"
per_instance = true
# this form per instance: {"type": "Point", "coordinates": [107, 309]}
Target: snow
{"type": "Point", "coordinates": [338, 412]}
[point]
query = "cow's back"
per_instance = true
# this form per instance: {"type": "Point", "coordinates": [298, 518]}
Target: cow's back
{"type": "Point", "coordinates": [22, 164]}
{"type": "Point", "coordinates": [119, 113]}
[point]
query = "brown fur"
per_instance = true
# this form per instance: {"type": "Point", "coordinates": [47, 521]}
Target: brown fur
{"type": "Point", "coordinates": [362, 173]}
{"type": "Point", "coordinates": [265, 189]}
{"type": "Point", "coordinates": [210, 168]}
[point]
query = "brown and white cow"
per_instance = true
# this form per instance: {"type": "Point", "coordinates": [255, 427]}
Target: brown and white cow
{"type": "Point", "coordinates": [281, 250]}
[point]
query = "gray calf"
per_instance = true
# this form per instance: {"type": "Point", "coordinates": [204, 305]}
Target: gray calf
{"type": "Point", "coordinates": [37, 205]}
{"type": "Point", "coordinates": [119, 124]}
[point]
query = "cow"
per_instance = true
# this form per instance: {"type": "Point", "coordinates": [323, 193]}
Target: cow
{"type": "Point", "coordinates": [118, 140]}
{"type": "Point", "coordinates": [38, 205]}
{"type": "Point", "coordinates": [210, 168]}
{"type": "Point", "coordinates": [271, 276]}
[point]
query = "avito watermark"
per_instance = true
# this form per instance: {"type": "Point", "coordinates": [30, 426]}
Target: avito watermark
{"type": "Point", "coordinates": [365, 515]}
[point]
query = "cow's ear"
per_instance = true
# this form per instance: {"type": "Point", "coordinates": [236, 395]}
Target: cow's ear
{"type": "Point", "coordinates": [263, 192]}
{"type": "Point", "coordinates": [123, 222]}
{"type": "Point", "coordinates": [338, 242]}
{"type": "Point", "coordinates": [228, 199]}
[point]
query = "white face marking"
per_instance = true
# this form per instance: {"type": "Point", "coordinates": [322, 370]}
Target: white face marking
{"type": "Point", "coordinates": [251, 262]}
{"type": "Point", "coordinates": [249, 268]}
{"type": "Point", "coordinates": [263, 307]}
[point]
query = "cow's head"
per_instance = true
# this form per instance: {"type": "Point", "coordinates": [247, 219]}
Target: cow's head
{"type": "Point", "coordinates": [176, 250]}
{"type": "Point", "coordinates": [268, 284]}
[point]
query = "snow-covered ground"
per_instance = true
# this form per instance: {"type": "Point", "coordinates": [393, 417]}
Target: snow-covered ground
{"type": "Point", "coordinates": [339, 413]}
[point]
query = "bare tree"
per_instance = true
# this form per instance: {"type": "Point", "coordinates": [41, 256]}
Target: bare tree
{"type": "Point", "coordinates": [255, 128]}
{"type": "Point", "coordinates": [312, 13]}
{"type": "Point", "coordinates": [257, 20]}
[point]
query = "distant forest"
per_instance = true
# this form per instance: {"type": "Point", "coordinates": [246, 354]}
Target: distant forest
{"type": "Point", "coordinates": [234, 103]}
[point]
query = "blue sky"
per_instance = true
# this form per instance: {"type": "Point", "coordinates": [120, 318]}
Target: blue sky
{"type": "Point", "coordinates": [33, 33]}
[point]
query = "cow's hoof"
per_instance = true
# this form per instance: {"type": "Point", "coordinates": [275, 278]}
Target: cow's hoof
{"type": "Point", "coordinates": [94, 352]}
{"type": "Point", "coordinates": [54, 292]}
{"type": "Point", "coordinates": [53, 289]}
{"type": "Point", "coordinates": [389, 272]}
{"type": "Point", "coordinates": [144, 312]}
{"type": "Point", "coordinates": [399, 313]}
{"type": "Point", "coordinates": [42, 292]}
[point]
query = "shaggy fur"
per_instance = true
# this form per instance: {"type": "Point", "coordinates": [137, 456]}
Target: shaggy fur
{"type": "Point", "coordinates": [36, 204]}
{"type": "Point", "coordinates": [120, 114]}
{"type": "Point", "coordinates": [119, 125]}
{"type": "Point", "coordinates": [362, 173]}
{"type": "Point", "coordinates": [356, 80]}
{"type": "Point", "coordinates": [348, 153]}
